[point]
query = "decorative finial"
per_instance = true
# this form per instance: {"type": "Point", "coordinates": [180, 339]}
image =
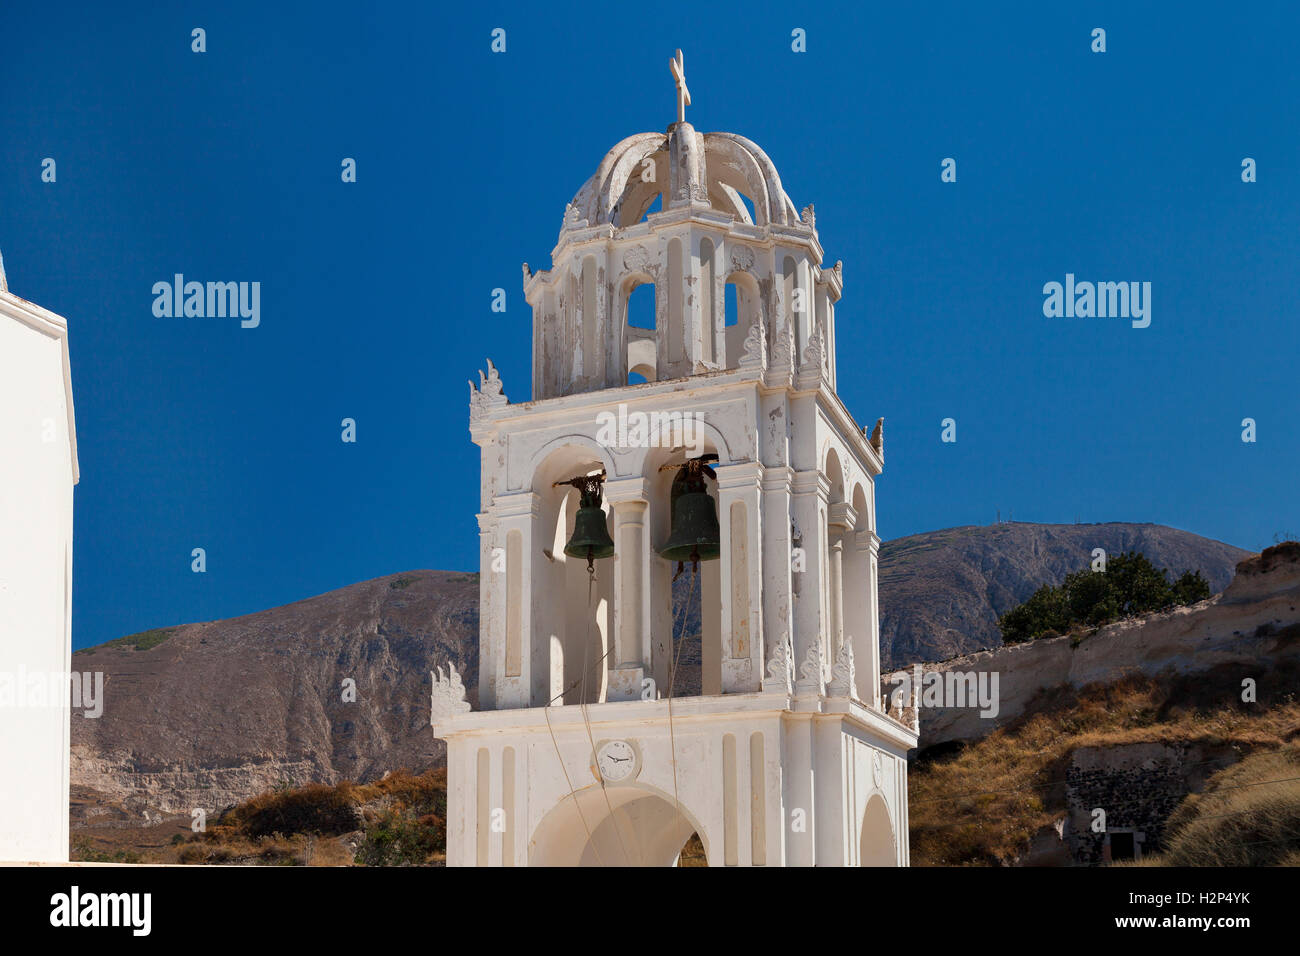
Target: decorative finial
{"type": "Point", "coordinates": [488, 395]}
{"type": "Point", "coordinates": [677, 66]}
{"type": "Point", "coordinates": [573, 218]}
{"type": "Point", "coordinates": [448, 696]}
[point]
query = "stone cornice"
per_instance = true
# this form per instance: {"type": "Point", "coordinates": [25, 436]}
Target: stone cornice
{"type": "Point", "coordinates": [633, 489]}
{"type": "Point", "coordinates": [739, 475]}
{"type": "Point", "coordinates": [842, 515]}
{"type": "Point", "coordinates": [778, 478]}
{"type": "Point", "coordinates": [516, 504]}
{"type": "Point", "coordinates": [811, 482]}
{"type": "Point", "coordinates": [688, 710]}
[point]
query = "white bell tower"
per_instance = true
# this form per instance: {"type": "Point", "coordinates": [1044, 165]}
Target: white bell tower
{"type": "Point", "coordinates": [584, 751]}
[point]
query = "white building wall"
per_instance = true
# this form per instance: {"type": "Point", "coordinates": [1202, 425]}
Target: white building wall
{"type": "Point", "coordinates": [37, 473]}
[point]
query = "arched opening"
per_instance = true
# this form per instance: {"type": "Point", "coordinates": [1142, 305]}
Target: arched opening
{"type": "Point", "coordinates": [708, 313]}
{"type": "Point", "coordinates": [687, 608]}
{"type": "Point", "coordinates": [641, 305]}
{"type": "Point", "coordinates": [674, 341]}
{"type": "Point", "coordinates": [876, 845]}
{"type": "Point", "coordinates": [693, 852]}
{"type": "Point", "coordinates": [741, 297]}
{"type": "Point", "coordinates": [737, 182]}
{"type": "Point", "coordinates": [586, 613]}
{"type": "Point", "coordinates": [796, 303]}
{"type": "Point", "coordinates": [637, 827]}
{"type": "Point", "coordinates": [571, 616]}
{"type": "Point", "coordinates": [641, 195]}
{"type": "Point", "coordinates": [639, 309]}
{"type": "Point", "coordinates": [746, 208]}
{"type": "Point", "coordinates": [592, 365]}
{"type": "Point", "coordinates": [656, 205]}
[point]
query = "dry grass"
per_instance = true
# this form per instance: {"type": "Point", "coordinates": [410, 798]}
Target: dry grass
{"type": "Point", "coordinates": [984, 804]}
{"type": "Point", "coordinates": [399, 819]}
{"type": "Point", "coordinates": [1248, 815]}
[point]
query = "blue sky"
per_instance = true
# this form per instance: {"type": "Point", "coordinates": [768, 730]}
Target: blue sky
{"type": "Point", "coordinates": [376, 295]}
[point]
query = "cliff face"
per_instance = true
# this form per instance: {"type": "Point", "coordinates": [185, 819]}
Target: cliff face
{"type": "Point", "coordinates": [205, 715]}
{"type": "Point", "coordinates": [214, 713]}
{"type": "Point", "coordinates": [1254, 622]}
{"type": "Point", "coordinates": [941, 593]}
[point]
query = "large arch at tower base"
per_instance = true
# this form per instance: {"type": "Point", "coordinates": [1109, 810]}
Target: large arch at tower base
{"type": "Point", "coordinates": [636, 827]}
{"type": "Point", "coordinates": [877, 846]}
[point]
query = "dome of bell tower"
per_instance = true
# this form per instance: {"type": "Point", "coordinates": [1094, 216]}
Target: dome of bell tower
{"type": "Point", "coordinates": [722, 171]}
{"type": "Point", "coordinates": [735, 268]}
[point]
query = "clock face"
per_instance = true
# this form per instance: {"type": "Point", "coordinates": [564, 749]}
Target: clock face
{"type": "Point", "coordinates": [616, 760]}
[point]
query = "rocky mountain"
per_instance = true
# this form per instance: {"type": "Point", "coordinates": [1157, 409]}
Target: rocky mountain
{"type": "Point", "coordinates": [205, 715]}
{"type": "Point", "coordinates": [941, 592]}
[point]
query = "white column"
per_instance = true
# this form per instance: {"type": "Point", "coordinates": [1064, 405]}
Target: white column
{"type": "Point", "coordinates": [845, 590]}
{"type": "Point", "coordinates": [810, 492]}
{"type": "Point", "coordinates": [837, 591]}
{"type": "Point", "coordinates": [831, 795]}
{"type": "Point", "coordinates": [778, 622]}
{"type": "Point", "coordinates": [628, 500]}
{"type": "Point", "coordinates": [460, 851]}
{"type": "Point", "coordinates": [799, 825]}
{"type": "Point", "coordinates": [740, 518]}
{"type": "Point", "coordinates": [873, 613]}
{"type": "Point", "coordinates": [711, 598]}
{"type": "Point", "coordinates": [518, 513]}
{"type": "Point", "coordinates": [491, 607]}
{"type": "Point", "coordinates": [862, 619]}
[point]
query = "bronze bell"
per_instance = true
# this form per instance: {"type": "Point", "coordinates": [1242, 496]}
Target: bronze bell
{"type": "Point", "coordinates": [694, 535]}
{"type": "Point", "coordinates": [590, 539]}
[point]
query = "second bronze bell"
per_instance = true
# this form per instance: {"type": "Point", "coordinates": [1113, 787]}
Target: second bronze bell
{"type": "Point", "coordinates": [694, 535]}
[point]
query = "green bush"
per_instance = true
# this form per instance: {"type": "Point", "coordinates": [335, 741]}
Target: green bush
{"type": "Point", "coordinates": [1190, 588]}
{"type": "Point", "coordinates": [314, 808]}
{"type": "Point", "coordinates": [401, 839]}
{"type": "Point", "coordinates": [143, 641]}
{"type": "Point", "coordinates": [83, 851]}
{"type": "Point", "coordinates": [1130, 585]}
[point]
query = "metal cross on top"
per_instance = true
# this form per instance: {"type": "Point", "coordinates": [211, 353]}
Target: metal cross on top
{"type": "Point", "coordinates": [677, 65]}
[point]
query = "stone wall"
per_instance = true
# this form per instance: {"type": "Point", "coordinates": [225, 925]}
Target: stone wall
{"type": "Point", "coordinates": [1138, 786]}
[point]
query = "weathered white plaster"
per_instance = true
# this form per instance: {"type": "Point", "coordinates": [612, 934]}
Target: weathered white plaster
{"type": "Point", "coordinates": [790, 721]}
